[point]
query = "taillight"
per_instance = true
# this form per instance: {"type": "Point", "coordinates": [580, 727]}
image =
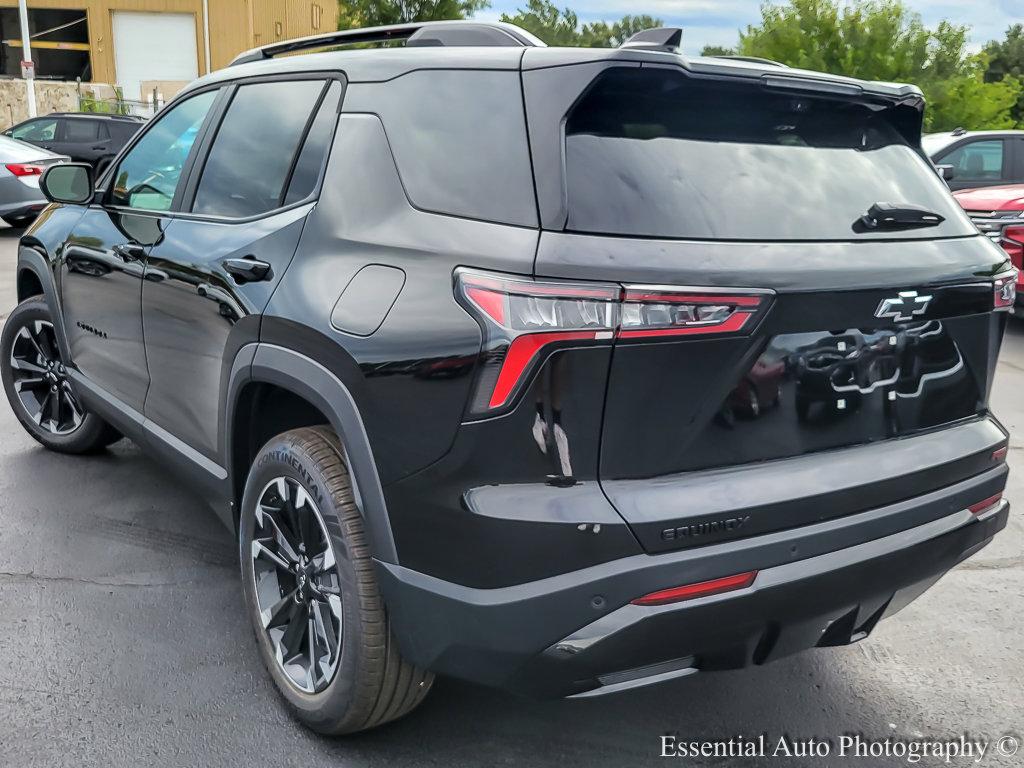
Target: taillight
{"type": "Point", "coordinates": [650, 312]}
{"type": "Point", "coordinates": [524, 320]}
{"type": "Point", "coordinates": [23, 169]}
{"type": "Point", "coordinates": [701, 589]}
{"type": "Point", "coordinates": [1004, 290]}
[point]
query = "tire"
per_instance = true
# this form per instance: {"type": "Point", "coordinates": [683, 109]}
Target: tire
{"type": "Point", "coordinates": [75, 430]}
{"type": "Point", "coordinates": [299, 477]}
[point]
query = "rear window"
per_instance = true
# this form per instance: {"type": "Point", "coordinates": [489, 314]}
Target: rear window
{"type": "Point", "coordinates": [654, 153]}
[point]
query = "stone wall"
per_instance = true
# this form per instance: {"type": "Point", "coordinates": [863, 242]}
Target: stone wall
{"type": "Point", "coordinates": [50, 97]}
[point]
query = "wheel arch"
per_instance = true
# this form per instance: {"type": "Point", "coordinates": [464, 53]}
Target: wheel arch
{"type": "Point", "coordinates": [35, 278]}
{"type": "Point", "coordinates": [305, 393]}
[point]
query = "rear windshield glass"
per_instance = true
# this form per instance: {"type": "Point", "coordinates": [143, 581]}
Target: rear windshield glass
{"type": "Point", "coordinates": [654, 153]}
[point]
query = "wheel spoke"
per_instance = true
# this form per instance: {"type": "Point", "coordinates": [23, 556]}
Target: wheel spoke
{"type": "Point", "coordinates": [270, 614]}
{"type": "Point", "coordinates": [55, 410]}
{"type": "Point", "coordinates": [26, 334]}
{"type": "Point", "coordinates": [43, 406]}
{"type": "Point", "coordinates": [304, 516]}
{"type": "Point", "coordinates": [291, 640]}
{"type": "Point", "coordinates": [28, 382]}
{"type": "Point", "coordinates": [259, 549]}
{"type": "Point", "coordinates": [76, 412]}
{"type": "Point", "coordinates": [325, 629]}
{"type": "Point", "coordinates": [286, 545]}
{"type": "Point", "coordinates": [43, 341]}
{"type": "Point", "coordinates": [21, 364]}
{"type": "Point", "coordinates": [325, 561]}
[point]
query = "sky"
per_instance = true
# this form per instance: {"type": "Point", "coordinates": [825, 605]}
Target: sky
{"type": "Point", "coordinates": [716, 22]}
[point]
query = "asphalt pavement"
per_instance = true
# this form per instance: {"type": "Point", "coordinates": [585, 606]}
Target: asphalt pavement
{"type": "Point", "coordinates": [124, 643]}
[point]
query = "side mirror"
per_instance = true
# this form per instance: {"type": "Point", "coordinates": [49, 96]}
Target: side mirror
{"type": "Point", "coordinates": [69, 183]}
{"type": "Point", "coordinates": [947, 172]}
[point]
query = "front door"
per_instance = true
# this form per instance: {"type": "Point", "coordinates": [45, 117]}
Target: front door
{"type": "Point", "coordinates": [104, 257]}
{"type": "Point", "coordinates": [218, 263]}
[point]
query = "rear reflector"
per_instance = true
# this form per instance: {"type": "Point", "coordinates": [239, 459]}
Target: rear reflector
{"type": "Point", "coordinates": [701, 589]}
{"type": "Point", "coordinates": [999, 454]}
{"type": "Point", "coordinates": [986, 504]}
{"type": "Point", "coordinates": [22, 169]}
{"type": "Point", "coordinates": [522, 318]}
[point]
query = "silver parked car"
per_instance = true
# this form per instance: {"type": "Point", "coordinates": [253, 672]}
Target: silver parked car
{"type": "Point", "coordinates": [21, 165]}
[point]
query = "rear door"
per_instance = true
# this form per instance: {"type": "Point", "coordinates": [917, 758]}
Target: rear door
{"type": "Point", "coordinates": [215, 268]}
{"type": "Point", "coordinates": [768, 316]}
{"type": "Point", "coordinates": [81, 138]}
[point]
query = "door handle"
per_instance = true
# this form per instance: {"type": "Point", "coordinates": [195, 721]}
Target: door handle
{"type": "Point", "coordinates": [248, 270]}
{"type": "Point", "coordinates": [128, 252]}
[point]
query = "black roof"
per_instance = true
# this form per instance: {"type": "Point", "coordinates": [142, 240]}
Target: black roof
{"type": "Point", "coordinates": [442, 45]}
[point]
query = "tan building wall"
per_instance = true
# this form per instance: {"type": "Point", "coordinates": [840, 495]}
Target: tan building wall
{"type": "Point", "coordinates": [50, 97]}
{"type": "Point", "coordinates": [234, 25]}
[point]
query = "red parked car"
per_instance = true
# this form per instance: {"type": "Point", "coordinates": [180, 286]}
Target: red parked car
{"type": "Point", "coordinates": [999, 213]}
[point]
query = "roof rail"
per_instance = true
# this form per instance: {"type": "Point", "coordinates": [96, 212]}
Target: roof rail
{"type": "Point", "coordinates": [656, 39]}
{"type": "Point", "coordinates": [422, 33]}
{"type": "Point", "coordinates": [751, 59]}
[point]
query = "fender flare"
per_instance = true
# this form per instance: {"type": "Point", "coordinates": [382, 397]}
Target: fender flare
{"type": "Point", "coordinates": [32, 259]}
{"type": "Point", "coordinates": [271, 364]}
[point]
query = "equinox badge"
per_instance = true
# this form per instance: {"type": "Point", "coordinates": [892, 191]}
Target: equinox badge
{"type": "Point", "coordinates": [904, 307]}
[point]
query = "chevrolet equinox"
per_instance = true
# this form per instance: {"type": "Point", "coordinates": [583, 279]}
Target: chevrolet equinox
{"type": "Point", "coordinates": [560, 370]}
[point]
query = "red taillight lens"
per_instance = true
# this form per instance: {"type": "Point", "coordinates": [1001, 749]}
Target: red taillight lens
{"type": "Point", "coordinates": [22, 169]}
{"type": "Point", "coordinates": [985, 504]}
{"type": "Point", "coordinates": [652, 312]}
{"type": "Point", "coordinates": [701, 589]}
{"type": "Point", "coordinates": [523, 319]}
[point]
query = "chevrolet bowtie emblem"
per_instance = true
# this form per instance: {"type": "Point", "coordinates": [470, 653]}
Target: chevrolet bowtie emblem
{"type": "Point", "coordinates": [904, 307]}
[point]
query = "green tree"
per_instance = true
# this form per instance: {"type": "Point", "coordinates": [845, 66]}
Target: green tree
{"type": "Point", "coordinates": [372, 13]}
{"type": "Point", "coordinates": [884, 40]}
{"type": "Point", "coordinates": [1006, 59]}
{"type": "Point", "coordinates": [563, 28]}
{"type": "Point", "coordinates": [717, 50]}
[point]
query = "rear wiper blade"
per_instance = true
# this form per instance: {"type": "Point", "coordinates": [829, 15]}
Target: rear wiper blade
{"type": "Point", "coordinates": [891, 217]}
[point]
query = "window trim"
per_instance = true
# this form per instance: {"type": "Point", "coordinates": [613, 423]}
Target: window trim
{"type": "Point", "coordinates": [201, 147]}
{"type": "Point", "coordinates": [103, 194]}
{"type": "Point", "coordinates": [196, 172]}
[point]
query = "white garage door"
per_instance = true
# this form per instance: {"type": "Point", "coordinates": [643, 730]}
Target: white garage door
{"type": "Point", "coordinates": [153, 46]}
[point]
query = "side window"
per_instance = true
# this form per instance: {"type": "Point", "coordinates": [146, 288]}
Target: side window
{"type": "Point", "coordinates": [79, 130]}
{"type": "Point", "coordinates": [977, 161]}
{"type": "Point", "coordinates": [148, 175]}
{"type": "Point", "coordinates": [311, 159]}
{"type": "Point", "coordinates": [36, 130]}
{"type": "Point", "coordinates": [250, 159]}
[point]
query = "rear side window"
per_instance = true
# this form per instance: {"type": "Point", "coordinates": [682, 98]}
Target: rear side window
{"type": "Point", "coordinates": [655, 153]}
{"type": "Point", "coordinates": [78, 130]}
{"type": "Point", "coordinates": [250, 159]}
{"type": "Point", "coordinates": [459, 141]}
{"type": "Point", "coordinates": [977, 160]}
{"type": "Point", "coordinates": [314, 150]}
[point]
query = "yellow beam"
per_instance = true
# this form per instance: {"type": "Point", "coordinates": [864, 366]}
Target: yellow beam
{"type": "Point", "coordinates": [51, 44]}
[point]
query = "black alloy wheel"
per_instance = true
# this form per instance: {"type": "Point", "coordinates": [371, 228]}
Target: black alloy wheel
{"type": "Point", "coordinates": [40, 380]}
{"type": "Point", "coordinates": [298, 588]}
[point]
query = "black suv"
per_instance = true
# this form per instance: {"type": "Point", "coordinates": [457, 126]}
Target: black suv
{"type": "Point", "coordinates": [560, 370]}
{"type": "Point", "coordinates": [84, 137]}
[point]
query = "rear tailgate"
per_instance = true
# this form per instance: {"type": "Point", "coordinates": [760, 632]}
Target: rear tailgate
{"type": "Point", "coordinates": [687, 191]}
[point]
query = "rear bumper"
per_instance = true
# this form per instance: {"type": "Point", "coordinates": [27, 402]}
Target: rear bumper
{"type": "Point", "coordinates": [578, 633]}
